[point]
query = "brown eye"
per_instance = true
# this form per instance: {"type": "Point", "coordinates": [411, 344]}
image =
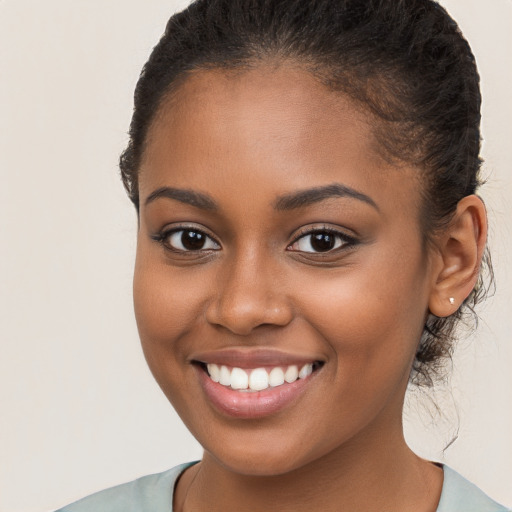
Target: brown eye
{"type": "Point", "coordinates": [320, 241]}
{"type": "Point", "coordinates": [190, 240]}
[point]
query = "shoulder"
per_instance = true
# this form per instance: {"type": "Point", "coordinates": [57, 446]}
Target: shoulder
{"type": "Point", "coordinates": [460, 495]}
{"type": "Point", "coordinates": [151, 493]}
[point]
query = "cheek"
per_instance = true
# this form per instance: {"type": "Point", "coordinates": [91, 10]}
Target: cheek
{"type": "Point", "coordinates": [166, 308]}
{"type": "Point", "coordinates": [371, 318]}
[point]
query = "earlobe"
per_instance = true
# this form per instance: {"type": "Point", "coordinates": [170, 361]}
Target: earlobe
{"type": "Point", "coordinates": [460, 249]}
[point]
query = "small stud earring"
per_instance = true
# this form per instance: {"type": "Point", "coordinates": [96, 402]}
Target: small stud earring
{"type": "Point", "coordinates": [452, 301]}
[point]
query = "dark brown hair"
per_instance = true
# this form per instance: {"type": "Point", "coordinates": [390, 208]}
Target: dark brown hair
{"type": "Point", "coordinates": [405, 60]}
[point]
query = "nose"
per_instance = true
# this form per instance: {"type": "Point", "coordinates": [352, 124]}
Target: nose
{"type": "Point", "coordinates": [248, 294]}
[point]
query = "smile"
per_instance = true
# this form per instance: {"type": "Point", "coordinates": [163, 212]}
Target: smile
{"type": "Point", "coordinates": [253, 386]}
{"type": "Point", "coordinates": [258, 379]}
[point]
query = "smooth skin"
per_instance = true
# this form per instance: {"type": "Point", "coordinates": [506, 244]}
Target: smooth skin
{"type": "Point", "coordinates": [248, 144]}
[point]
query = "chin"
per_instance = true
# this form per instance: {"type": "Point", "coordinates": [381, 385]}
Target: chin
{"type": "Point", "coordinates": [259, 463]}
{"type": "Point", "coordinates": [263, 453]}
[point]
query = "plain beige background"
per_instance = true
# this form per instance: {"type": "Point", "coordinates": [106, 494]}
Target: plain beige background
{"type": "Point", "coordinates": [79, 410]}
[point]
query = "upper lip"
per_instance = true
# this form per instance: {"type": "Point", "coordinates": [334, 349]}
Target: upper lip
{"type": "Point", "coordinates": [252, 357]}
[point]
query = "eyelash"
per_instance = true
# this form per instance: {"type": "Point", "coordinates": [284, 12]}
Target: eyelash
{"type": "Point", "coordinates": [165, 235]}
{"type": "Point", "coordinates": [345, 241]}
{"type": "Point", "coordinates": [341, 240]}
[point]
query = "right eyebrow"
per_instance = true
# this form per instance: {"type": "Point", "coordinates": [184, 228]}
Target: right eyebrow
{"type": "Point", "coordinates": [197, 199]}
{"type": "Point", "coordinates": [313, 195]}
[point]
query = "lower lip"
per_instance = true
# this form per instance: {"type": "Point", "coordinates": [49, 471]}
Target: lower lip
{"type": "Point", "coordinates": [251, 405]}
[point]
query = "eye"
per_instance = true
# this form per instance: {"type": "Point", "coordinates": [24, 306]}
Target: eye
{"type": "Point", "coordinates": [321, 241]}
{"type": "Point", "coordinates": [188, 240]}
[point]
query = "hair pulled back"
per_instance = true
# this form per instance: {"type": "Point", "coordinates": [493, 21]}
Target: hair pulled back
{"type": "Point", "coordinates": [404, 60]}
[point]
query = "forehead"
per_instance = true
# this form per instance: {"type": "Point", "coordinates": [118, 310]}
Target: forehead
{"type": "Point", "coordinates": [280, 103]}
{"type": "Point", "coordinates": [262, 89]}
{"type": "Point", "coordinates": [270, 125]}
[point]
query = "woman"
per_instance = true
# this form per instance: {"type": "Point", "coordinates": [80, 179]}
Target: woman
{"type": "Point", "coordinates": [305, 176]}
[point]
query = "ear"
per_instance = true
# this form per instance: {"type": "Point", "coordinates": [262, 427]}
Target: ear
{"type": "Point", "coordinates": [460, 248]}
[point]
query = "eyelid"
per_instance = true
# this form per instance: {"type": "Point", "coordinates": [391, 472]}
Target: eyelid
{"type": "Point", "coordinates": [162, 235]}
{"type": "Point", "coordinates": [348, 240]}
{"type": "Point", "coordinates": [322, 228]}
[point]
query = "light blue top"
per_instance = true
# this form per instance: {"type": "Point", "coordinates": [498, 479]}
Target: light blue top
{"type": "Point", "coordinates": [154, 493]}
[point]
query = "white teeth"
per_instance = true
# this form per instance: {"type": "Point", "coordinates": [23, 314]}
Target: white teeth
{"type": "Point", "coordinates": [257, 379]}
{"type": "Point", "coordinates": [214, 372]}
{"type": "Point", "coordinates": [291, 374]}
{"type": "Point", "coordinates": [276, 377]}
{"type": "Point", "coordinates": [239, 379]}
{"type": "Point", "coordinates": [306, 371]}
{"type": "Point", "coordinates": [225, 376]}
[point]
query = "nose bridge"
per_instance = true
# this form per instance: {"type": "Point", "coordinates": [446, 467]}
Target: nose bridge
{"type": "Point", "coordinates": [247, 292]}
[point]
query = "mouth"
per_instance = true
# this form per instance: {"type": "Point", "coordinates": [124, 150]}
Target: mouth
{"type": "Point", "coordinates": [249, 391]}
{"type": "Point", "coordinates": [258, 379]}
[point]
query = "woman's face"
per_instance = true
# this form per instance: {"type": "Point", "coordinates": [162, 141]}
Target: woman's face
{"type": "Point", "coordinates": [273, 237]}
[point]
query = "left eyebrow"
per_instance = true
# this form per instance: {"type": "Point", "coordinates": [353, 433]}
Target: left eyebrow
{"type": "Point", "coordinates": [314, 195]}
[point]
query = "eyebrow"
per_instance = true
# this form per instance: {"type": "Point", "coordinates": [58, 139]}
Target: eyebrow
{"type": "Point", "coordinates": [197, 199]}
{"type": "Point", "coordinates": [317, 194]}
{"type": "Point", "coordinates": [290, 201]}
